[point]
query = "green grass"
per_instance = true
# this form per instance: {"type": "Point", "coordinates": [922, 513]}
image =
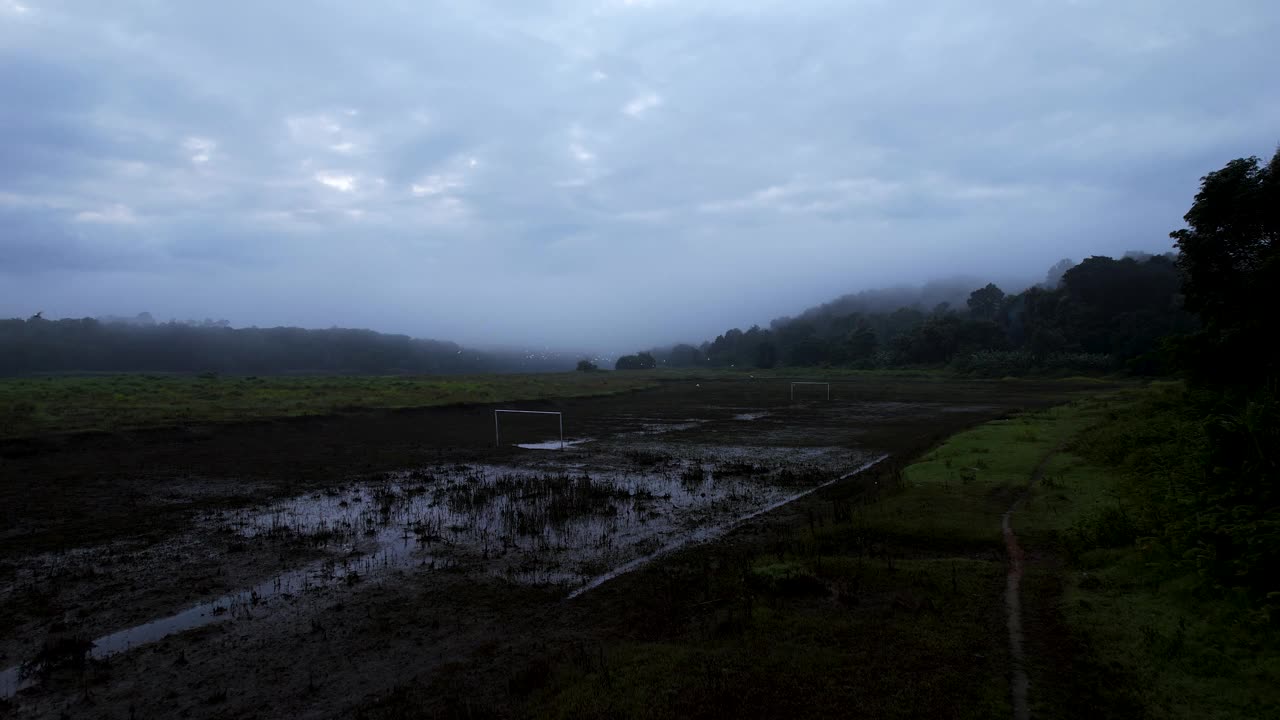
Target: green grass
{"type": "Point", "coordinates": [862, 639]}
{"type": "Point", "coordinates": [59, 404]}
{"type": "Point", "coordinates": [1187, 657]}
{"type": "Point", "coordinates": [1165, 647]}
{"type": "Point", "coordinates": [957, 492]}
{"type": "Point", "coordinates": [36, 406]}
{"type": "Point", "coordinates": [880, 609]}
{"type": "Point", "coordinates": [888, 611]}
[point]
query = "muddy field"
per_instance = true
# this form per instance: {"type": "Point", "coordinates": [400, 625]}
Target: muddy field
{"type": "Point", "coordinates": [310, 567]}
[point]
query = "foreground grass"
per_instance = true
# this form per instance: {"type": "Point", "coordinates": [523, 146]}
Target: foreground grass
{"type": "Point", "coordinates": [1162, 647]}
{"type": "Point", "coordinates": [955, 494]}
{"type": "Point", "coordinates": [889, 605]}
{"type": "Point", "coordinates": [35, 406]}
{"type": "Point", "coordinates": [837, 637]}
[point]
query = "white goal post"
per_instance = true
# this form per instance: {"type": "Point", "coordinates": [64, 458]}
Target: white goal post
{"type": "Point", "coordinates": [497, 437]}
{"type": "Point", "coordinates": [794, 384]}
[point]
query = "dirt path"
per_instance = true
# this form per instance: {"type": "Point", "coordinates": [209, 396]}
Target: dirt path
{"type": "Point", "coordinates": [1020, 684]}
{"type": "Point", "coordinates": [1013, 606]}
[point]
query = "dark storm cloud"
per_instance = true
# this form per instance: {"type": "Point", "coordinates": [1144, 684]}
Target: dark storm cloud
{"type": "Point", "coordinates": [596, 173]}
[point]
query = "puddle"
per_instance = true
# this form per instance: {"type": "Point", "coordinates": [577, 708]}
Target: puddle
{"type": "Point", "coordinates": [270, 595]}
{"type": "Point", "coordinates": [555, 525]}
{"type": "Point", "coordinates": [656, 426]}
{"type": "Point", "coordinates": [709, 534]}
{"type": "Point", "coordinates": [553, 444]}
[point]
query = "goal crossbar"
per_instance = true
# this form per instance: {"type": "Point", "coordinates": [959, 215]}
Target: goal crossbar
{"type": "Point", "coordinates": [497, 437]}
{"type": "Point", "coordinates": [798, 382]}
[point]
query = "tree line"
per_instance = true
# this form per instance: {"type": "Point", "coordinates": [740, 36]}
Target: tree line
{"type": "Point", "coordinates": [1206, 473]}
{"type": "Point", "coordinates": [1102, 314]}
{"type": "Point", "coordinates": [39, 345]}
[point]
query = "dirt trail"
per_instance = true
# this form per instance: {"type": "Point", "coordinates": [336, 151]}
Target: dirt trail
{"type": "Point", "coordinates": [1013, 597]}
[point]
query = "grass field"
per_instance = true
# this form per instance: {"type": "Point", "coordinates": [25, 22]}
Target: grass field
{"type": "Point", "coordinates": [1157, 643]}
{"type": "Point", "coordinates": [34, 406]}
{"type": "Point", "coordinates": [881, 596]}
{"type": "Point", "coordinates": [60, 404]}
{"type": "Point", "coordinates": [889, 607]}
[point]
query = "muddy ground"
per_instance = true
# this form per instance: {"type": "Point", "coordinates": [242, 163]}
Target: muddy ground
{"type": "Point", "coordinates": [290, 613]}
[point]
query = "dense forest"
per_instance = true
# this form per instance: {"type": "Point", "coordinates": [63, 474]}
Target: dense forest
{"type": "Point", "coordinates": [38, 345]}
{"type": "Point", "coordinates": [1100, 315]}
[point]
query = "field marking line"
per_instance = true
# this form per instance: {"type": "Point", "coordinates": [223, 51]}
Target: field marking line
{"type": "Point", "coordinates": [713, 533]}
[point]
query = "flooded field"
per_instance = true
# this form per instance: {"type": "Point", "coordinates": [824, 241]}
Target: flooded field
{"type": "Point", "coordinates": [256, 565]}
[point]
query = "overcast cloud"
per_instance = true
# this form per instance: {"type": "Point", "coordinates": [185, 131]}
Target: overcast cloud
{"type": "Point", "coordinates": [597, 174]}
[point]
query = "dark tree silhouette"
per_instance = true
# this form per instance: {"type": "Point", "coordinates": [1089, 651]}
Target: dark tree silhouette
{"type": "Point", "coordinates": [1232, 266]}
{"type": "Point", "coordinates": [639, 361]}
{"type": "Point", "coordinates": [984, 302]}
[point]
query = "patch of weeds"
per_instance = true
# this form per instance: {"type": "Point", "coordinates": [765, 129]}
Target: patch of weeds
{"type": "Point", "coordinates": [645, 458]}
{"type": "Point", "coordinates": [57, 653]}
{"type": "Point", "coordinates": [693, 475]}
{"type": "Point", "coordinates": [786, 579]}
{"type": "Point", "coordinates": [738, 468]}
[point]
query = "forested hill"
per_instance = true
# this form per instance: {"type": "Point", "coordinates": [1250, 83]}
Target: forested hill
{"type": "Point", "coordinates": [951, 292]}
{"type": "Point", "coordinates": [1099, 315]}
{"type": "Point", "coordinates": [39, 345]}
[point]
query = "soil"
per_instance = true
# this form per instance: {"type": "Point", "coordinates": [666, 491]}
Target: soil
{"type": "Point", "coordinates": [102, 532]}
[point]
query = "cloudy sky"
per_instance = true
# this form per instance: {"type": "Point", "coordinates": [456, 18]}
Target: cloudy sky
{"type": "Point", "coordinates": [597, 174]}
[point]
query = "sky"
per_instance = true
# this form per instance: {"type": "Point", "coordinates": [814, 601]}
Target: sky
{"type": "Point", "coordinates": [597, 175]}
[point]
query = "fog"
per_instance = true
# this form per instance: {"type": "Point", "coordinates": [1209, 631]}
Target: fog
{"type": "Point", "coordinates": [597, 175]}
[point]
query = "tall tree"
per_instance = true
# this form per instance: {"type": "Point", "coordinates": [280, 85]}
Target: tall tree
{"type": "Point", "coordinates": [984, 302]}
{"type": "Point", "coordinates": [1231, 264]}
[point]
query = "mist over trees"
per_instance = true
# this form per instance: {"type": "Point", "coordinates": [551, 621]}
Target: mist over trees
{"type": "Point", "coordinates": [1100, 314]}
{"type": "Point", "coordinates": [1201, 462]}
{"type": "Point", "coordinates": [139, 344]}
{"type": "Point", "coordinates": [1199, 310]}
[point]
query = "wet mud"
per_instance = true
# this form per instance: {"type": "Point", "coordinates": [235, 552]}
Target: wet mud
{"type": "Point", "coordinates": [402, 539]}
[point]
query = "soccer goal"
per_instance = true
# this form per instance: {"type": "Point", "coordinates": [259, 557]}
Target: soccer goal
{"type": "Point", "coordinates": [497, 429]}
{"type": "Point", "coordinates": [794, 384]}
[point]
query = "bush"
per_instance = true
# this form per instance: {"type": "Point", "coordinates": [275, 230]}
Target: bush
{"type": "Point", "coordinates": [1199, 486]}
{"type": "Point", "coordinates": [1111, 527]}
{"type": "Point", "coordinates": [639, 361]}
{"type": "Point", "coordinates": [1006, 363]}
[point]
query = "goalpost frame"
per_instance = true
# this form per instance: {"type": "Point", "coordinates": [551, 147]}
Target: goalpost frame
{"type": "Point", "coordinates": [497, 437]}
{"type": "Point", "coordinates": [798, 382]}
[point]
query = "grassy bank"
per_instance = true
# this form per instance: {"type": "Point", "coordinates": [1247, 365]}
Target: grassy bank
{"type": "Point", "coordinates": [888, 604]}
{"type": "Point", "coordinates": [1161, 642]}
{"type": "Point", "coordinates": [34, 406]}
